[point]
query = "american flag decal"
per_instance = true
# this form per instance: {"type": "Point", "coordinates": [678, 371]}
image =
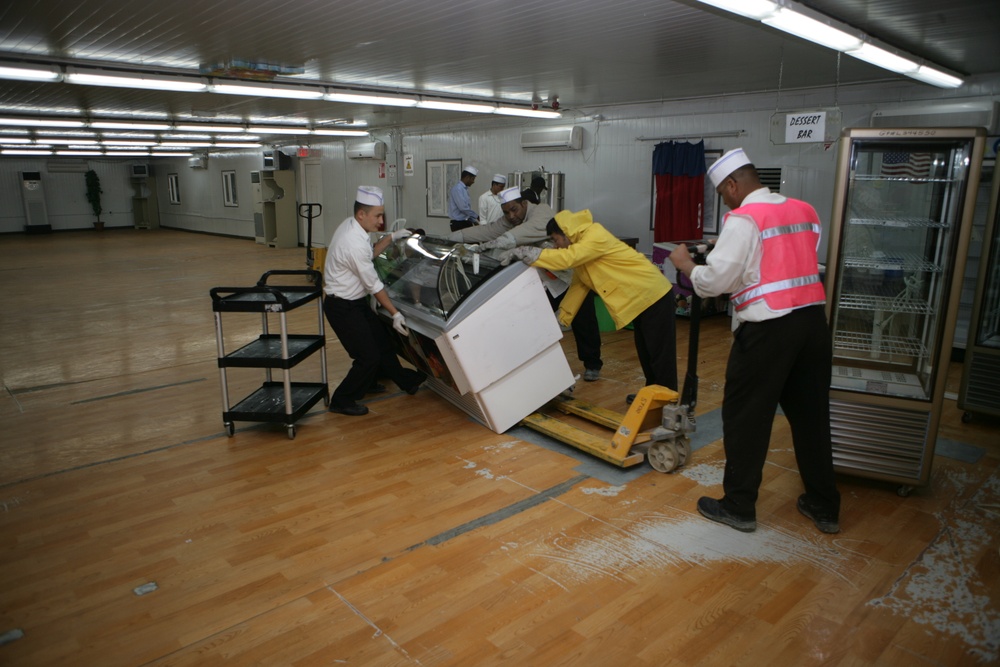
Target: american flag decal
{"type": "Point", "coordinates": [901, 164]}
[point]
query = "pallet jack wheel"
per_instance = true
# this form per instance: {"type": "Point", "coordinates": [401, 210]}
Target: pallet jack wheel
{"type": "Point", "coordinates": [663, 456]}
{"type": "Point", "coordinates": [684, 450]}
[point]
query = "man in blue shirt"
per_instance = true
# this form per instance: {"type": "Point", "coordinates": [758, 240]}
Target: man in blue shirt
{"type": "Point", "coordinates": [459, 202]}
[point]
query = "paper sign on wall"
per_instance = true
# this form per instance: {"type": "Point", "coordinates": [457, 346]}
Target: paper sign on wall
{"type": "Point", "coordinates": [805, 127]}
{"type": "Point", "coordinates": [408, 164]}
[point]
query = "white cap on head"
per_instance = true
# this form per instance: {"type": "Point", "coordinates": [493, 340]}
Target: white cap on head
{"type": "Point", "coordinates": [471, 170]}
{"type": "Point", "coordinates": [500, 178]}
{"type": "Point", "coordinates": [726, 165]}
{"type": "Point", "coordinates": [369, 195]}
{"type": "Point", "coordinates": [509, 195]}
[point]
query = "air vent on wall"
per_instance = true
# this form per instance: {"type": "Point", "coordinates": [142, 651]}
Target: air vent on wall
{"type": "Point", "coordinates": [558, 139]}
{"type": "Point", "coordinates": [198, 162]}
{"type": "Point", "coordinates": [66, 166]}
{"type": "Point", "coordinates": [962, 114]}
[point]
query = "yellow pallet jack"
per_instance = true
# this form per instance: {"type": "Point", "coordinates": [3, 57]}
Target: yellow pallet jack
{"type": "Point", "coordinates": [659, 422]}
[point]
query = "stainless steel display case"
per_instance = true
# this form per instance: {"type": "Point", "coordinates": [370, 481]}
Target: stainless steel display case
{"type": "Point", "coordinates": [902, 212]}
{"type": "Point", "coordinates": [484, 333]}
{"type": "Point", "coordinates": [980, 389]}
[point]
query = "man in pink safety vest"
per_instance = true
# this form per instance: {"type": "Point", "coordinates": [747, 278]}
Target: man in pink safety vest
{"type": "Point", "coordinates": [765, 258]}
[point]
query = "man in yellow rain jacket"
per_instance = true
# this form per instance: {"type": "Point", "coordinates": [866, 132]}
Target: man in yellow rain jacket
{"type": "Point", "coordinates": [632, 288]}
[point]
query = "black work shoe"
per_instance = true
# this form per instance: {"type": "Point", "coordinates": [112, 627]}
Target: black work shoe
{"type": "Point", "coordinates": [412, 389]}
{"type": "Point", "coordinates": [591, 374]}
{"type": "Point", "coordinates": [353, 409]}
{"type": "Point", "coordinates": [377, 388]}
{"type": "Point", "coordinates": [710, 508]}
{"type": "Point", "coordinates": [825, 524]}
{"type": "Point", "coordinates": [629, 399]}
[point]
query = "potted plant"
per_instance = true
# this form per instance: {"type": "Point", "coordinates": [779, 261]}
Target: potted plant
{"type": "Point", "coordinates": [94, 196]}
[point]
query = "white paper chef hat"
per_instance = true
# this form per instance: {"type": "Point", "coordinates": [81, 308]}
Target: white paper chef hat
{"type": "Point", "coordinates": [471, 170]}
{"type": "Point", "coordinates": [726, 165]}
{"type": "Point", "coordinates": [509, 195]}
{"type": "Point", "coordinates": [500, 178]}
{"type": "Point", "coordinates": [369, 195]}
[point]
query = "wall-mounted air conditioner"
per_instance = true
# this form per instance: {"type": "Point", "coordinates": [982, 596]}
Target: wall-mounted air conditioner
{"type": "Point", "coordinates": [957, 114]}
{"type": "Point", "coordinates": [366, 150]}
{"type": "Point", "coordinates": [67, 166]}
{"type": "Point", "coordinates": [558, 139]}
{"type": "Point", "coordinates": [198, 162]}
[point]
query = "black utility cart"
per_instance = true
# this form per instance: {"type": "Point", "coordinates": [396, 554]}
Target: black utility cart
{"type": "Point", "coordinates": [276, 401]}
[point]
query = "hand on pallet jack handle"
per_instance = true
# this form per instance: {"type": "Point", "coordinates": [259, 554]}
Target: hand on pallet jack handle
{"type": "Point", "coordinates": [399, 323]}
{"type": "Point", "coordinates": [401, 234]}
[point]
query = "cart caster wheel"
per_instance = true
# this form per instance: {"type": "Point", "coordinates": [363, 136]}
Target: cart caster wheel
{"type": "Point", "coordinates": [904, 491]}
{"type": "Point", "coordinates": [683, 450]}
{"type": "Point", "coordinates": [663, 456]}
{"type": "Point", "coordinates": [291, 432]}
{"type": "Point", "coordinates": [230, 429]}
{"type": "Point", "coordinates": [966, 417]}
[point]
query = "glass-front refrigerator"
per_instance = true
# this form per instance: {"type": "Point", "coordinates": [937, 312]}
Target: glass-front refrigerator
{"type": "Point", "coordinates": [980, 388]}
{"type": "Point", "coordinates": [899, 233]}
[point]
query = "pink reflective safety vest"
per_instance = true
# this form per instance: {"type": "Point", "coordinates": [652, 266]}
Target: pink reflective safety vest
{"type": "Point", "coordinates": [789, 275]}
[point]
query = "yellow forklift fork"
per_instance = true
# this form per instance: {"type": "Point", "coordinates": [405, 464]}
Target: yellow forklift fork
{"type": "Point", "coordinates": [654, 428]}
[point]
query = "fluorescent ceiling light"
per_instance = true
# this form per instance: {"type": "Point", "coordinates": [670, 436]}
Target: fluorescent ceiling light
{"type": "Point", "coordinates": [235, 145]}
{"type": "Point", "coordinates": [67, 142]}
{"type": "Point", "coordinates": [115, 125]}
{"type": "Point", "coordinates": [281, 130]}
{"type": "Point", "coordinates": [15, 140]}
{"type": "Point", "coordinates": [79, 153]}
{"type": "Point", "coordinates": [456, 106]}
{"type": "Point", "coordinates": [753, 9]}
{"type": "Point", "coordinates": [210, 128]}
{"type": "Point", "coordinates": [527, 113]}
{"type": "Point", "coordinates": [935, 77]}
{"type": "Point", "coordinates": [16, 151]}
{"type": "Point", "coordinates": [812, 30]}
{"type": "Point", "coordinates": [262, 90]}
{"type": "Point", "coordinates": [184, 144]}
{"type": "Point", "coordinates": [28, 72]}
{"type": "Point", "coordinates": [155, 154]}
{"type": "Point", "coordinates": [119, 153]}
{"type": "Point", "coordinates": [128, 80]}
{"type": "Point", "coordinates": [882, 58]}
{"type": "Point", "coordinates": [108, 142]}
{"type": "Point", "coordinates": [65, 133]}
{"type": "Point", "coordinates": [36, 122]}
{"type": "Point", "coordinates": [383, 100]}
{"type": "Point", "coordinates": [341, 133]}
{"type": "Point", "coordinates": [185, 136]}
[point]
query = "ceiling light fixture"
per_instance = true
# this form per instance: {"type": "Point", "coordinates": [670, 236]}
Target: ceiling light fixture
{"type": "Point", "coordinates": [130, 80]}
{"type": "Point", "coordinates": [26, 72]}
{"type": "Point", "coordinates": [41, 122]}
{"type": "Point", "coordinates": [192, 127]}
{"type": "Point", "coordinates": [233, 144]}
{"type": "Point", "coordinates": [376, 100]}
{"type": "Point", "coordinates": [280, 130]}
{"type": "Point", "coordinates": [527, 113]}
{"type": "Point", "coordinates": [118, 125]}
{"type": "Point", "coordinates": [340, 133]}
{"type": "Point", "coordinates": [795, 19]}
{"type": "Point", "coordinates": [267, 90]}
{"type": "Point", "coordinates": [442, 105]}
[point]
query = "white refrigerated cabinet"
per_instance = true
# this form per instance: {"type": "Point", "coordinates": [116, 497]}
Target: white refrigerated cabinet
{"type": "Point", "coordinates": [485, 334]}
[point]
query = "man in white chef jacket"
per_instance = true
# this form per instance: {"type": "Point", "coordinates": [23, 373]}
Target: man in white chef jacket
{"type": "Point", "coordinates": [489, 201]}
{"type": "Point", "coordinates": [349, 280]}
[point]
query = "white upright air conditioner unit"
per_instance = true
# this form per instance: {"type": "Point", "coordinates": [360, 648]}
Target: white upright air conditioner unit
{"type": "Point", "coordinates": [36, 216]}
{"type": "Point", "coordinates": [956, 114]}
{"type": "Point", "coordinates": [558, 139]}
{"type": "Point", "coordinates": [367, 150]}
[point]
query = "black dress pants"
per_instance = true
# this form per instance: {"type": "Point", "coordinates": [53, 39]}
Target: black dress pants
{"type": "Point", "coordinates": [586, 330]}
{"type": "Point", "coordinates": [367, 342]}
{"type": "Point", "coordinates": [785, 361]}
{"type": "Point", "coordinates": [656, 341]}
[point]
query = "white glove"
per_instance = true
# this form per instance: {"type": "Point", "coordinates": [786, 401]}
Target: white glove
{"type": "Point", "coordinates": [473, 247]}
{"type": "Point", "coordinates": [457, 237]}
{"type": "Point", "coordinates": [401, 234]}
{"type": "Point", "coordinates": [399, 323]}
{"type": "Point", "coordinates": [503, 242]}
{"type": "Point", "coordinates": [526, 253]}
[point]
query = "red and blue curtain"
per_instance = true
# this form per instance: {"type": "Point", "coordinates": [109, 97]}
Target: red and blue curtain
{"type": "Point", "coordinates": [679, 172]}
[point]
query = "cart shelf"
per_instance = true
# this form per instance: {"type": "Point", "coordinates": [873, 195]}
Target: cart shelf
{"type": "Point", "coordinates": [275, 401]}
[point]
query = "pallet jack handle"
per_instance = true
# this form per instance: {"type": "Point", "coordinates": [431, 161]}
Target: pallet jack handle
{"type": "Point", "coordinates": [309, 215]}
{"type": "Point", "coordinates": [689, 394]}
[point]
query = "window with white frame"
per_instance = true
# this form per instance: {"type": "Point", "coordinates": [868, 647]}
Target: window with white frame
{"type": "Point", "coordinates": [229, 188]}
{"type": "Point", "coordinates": [174, 188]}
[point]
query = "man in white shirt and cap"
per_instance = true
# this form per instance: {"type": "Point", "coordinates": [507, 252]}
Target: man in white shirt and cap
{"type": "Point", "coordinates": [782, 352]}
{"type": "Point", "coordinates": [349, 280]}
{"type": "Point", "coordinates": [524, 223]}
{"type": "Point", "coordinates": [489, 201]}
{"type": "Point", "coordinates": [459, 202]}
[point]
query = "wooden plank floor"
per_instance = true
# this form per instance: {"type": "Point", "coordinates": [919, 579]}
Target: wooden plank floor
{"type": "Point", "coordinates": [414, 536]}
